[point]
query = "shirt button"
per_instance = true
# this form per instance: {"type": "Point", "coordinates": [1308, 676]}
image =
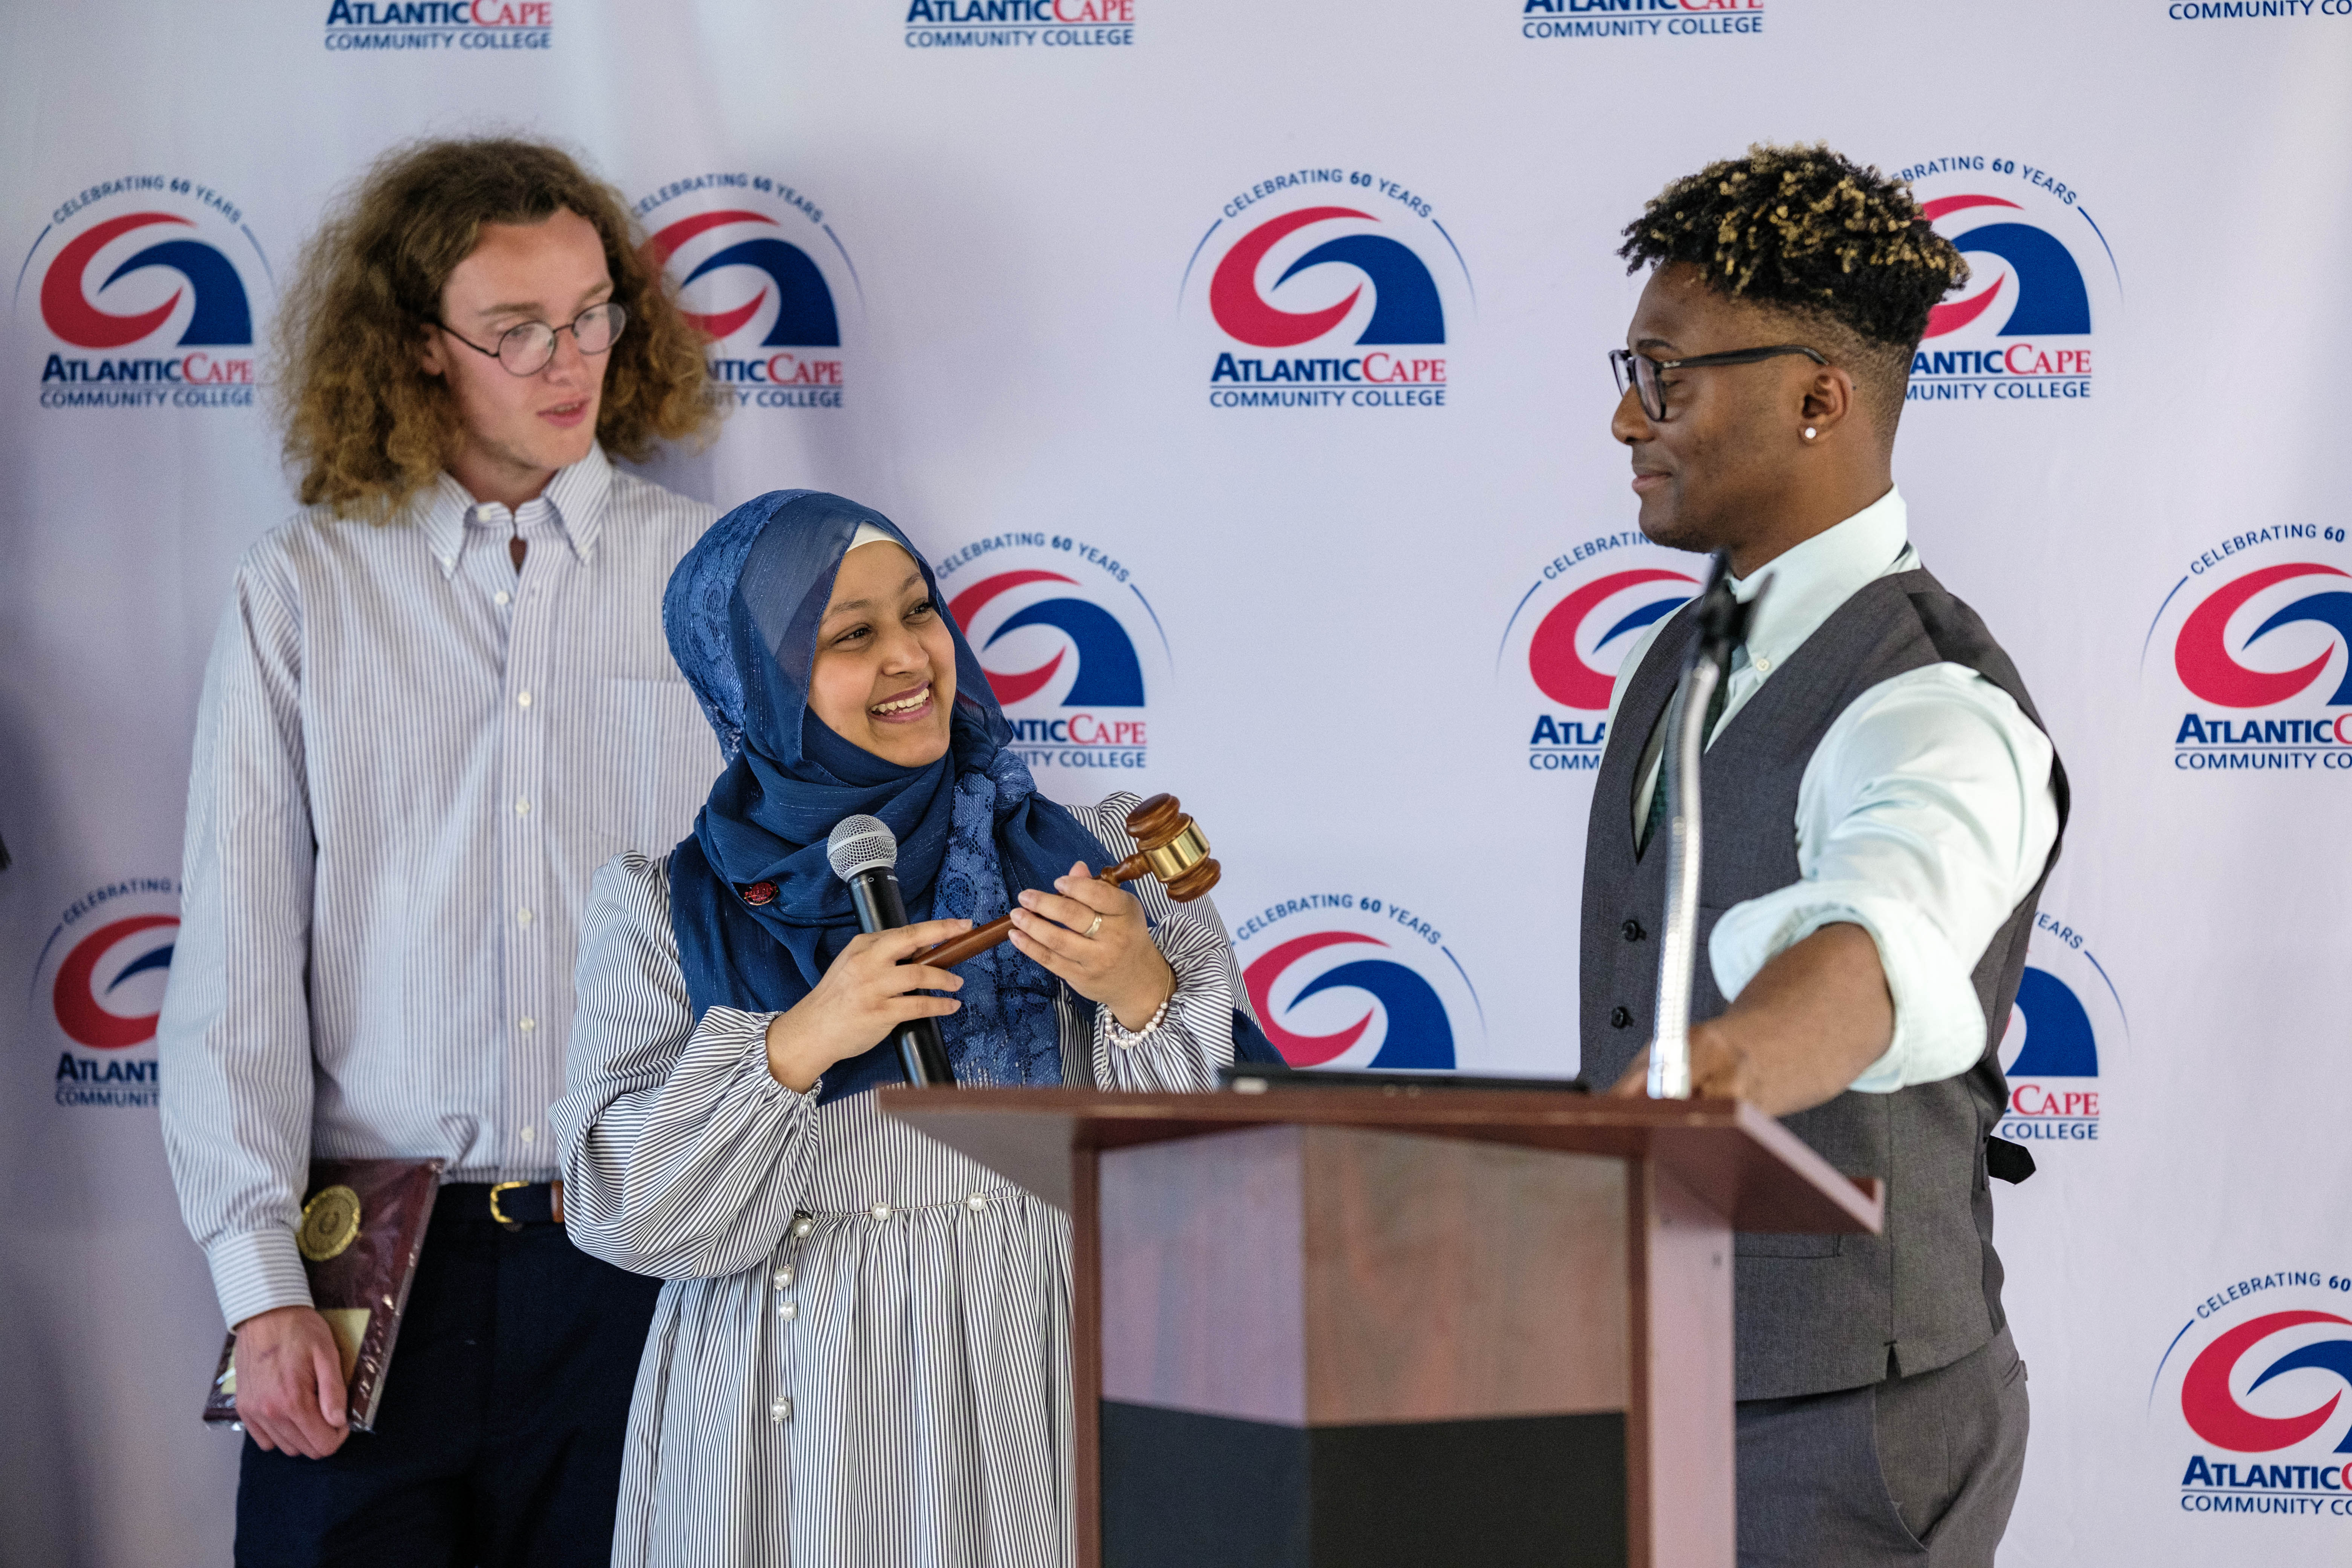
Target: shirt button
{"type": "Point", "coordinates": [526, 1134]}
{"type": "Point", "coordinates": [522, 806]}
{"type": "Point", "coordinates": [789, 1311]}
{"type": "Point", "coordinates": [522, 698]}
{"type": "Point", "coordinates": [1620, 1017]}
{"type": "Point", "coordinates": [779, 1412]}
{"type": "Point", "coordinates": [522, 917]}
{"type": "Point", "coordinates": [802, 1227]}
{"type": "Point", "coordinates": [1633, 931]}
{"type": "Point", "coordinates": [501, 597]}
{"type": "Point", "coordinates": [977, 1202]}
{"type": "Point", "coordinates": [526, 1025]}
{"type": "Point", "coordinates": [1763, 667]}
{"type": "Point", "coordinates": [880, 1211]}
{"type": "Point", "coordinates": [781, 1276]}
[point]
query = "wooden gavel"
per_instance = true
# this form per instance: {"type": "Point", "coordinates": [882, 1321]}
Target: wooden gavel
{"type": "Point", "coordinates": [1173, 851]}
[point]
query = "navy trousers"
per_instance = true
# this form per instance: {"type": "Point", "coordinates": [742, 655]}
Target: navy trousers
{"type": "Point", "coordinates": [499, 1439]}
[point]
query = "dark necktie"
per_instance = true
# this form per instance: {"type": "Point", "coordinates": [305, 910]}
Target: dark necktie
{"type": "Point", "coordinates": [1715, 706]}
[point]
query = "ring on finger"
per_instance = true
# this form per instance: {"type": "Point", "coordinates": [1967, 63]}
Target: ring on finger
{"type": "Point", "coordinates": [1094, 928]}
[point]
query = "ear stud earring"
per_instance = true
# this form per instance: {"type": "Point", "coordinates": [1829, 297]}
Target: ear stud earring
{"type": "Point", "coordinates": [1810, 432]}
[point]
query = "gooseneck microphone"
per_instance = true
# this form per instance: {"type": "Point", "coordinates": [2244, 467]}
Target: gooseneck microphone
{"type": "Point", "coordinates": [864, 854]}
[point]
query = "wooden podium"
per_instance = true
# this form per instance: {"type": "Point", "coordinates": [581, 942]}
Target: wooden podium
{"type": "Point", "coordinates": [1358, 1327]}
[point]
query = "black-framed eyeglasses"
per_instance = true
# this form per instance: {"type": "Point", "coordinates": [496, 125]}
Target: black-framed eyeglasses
{"type": "Point", "coordinates": [526, 350]}
{"type": "Point", "coordinates": [1641, 373]}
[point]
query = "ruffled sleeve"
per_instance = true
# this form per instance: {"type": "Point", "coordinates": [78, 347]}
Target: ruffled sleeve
{"type": "Point", "coordinates": [682, 1156]}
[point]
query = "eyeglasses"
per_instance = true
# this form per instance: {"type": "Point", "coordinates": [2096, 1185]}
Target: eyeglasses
{"type": "Point", "coordinates": [1641, 373]}
{"type": "Point", "coordinates": [527, 349]}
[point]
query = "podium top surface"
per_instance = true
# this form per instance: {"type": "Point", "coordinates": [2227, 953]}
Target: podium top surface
{"type": "Point", "coordinates": [1734, 1158]}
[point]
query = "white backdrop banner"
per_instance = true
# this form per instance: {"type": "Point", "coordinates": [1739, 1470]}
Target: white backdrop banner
{"type": "Point", "coordinates": [1241, 367]}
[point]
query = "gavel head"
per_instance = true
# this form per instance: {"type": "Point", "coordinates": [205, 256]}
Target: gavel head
{"type": "Point", "coordinates": [1174, 847]}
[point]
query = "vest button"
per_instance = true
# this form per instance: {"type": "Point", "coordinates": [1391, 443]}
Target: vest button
{"type": "Point", "coordinates": [1620, 1017]}
{"type": "Point", "coordinates": [1633, 931]}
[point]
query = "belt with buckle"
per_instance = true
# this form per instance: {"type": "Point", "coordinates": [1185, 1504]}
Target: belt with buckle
{"type": "Point", "coordinates": [515, 1204]}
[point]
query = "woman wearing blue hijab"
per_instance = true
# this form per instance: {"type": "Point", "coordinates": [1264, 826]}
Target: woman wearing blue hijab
{"type": "Point", "coordinates": [862, 1354]}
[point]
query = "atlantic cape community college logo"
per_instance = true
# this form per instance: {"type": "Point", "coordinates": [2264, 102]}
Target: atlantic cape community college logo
{"type": "Point", "coordinates": [1327, 288]}
{"type": "Point", "coordinates": [758, 268]}
{"type": "Point", "coordinates": [1567, 637]}
{"type": "Point", "coordinates": [1071, 647]}
{"type": "Point", "coordinates": [98, 989]}
{"type": "Point", "coordinates": [2068, 1024]}
{"type": "Point", "coordinates": [2042, 273]}
{"type": "Point", "coordinates": [2251, 653]}
{"type": "Point", "coordinates": [2254, 1389]}
{"type": "Point", "coordinates": [373, 25]}
{"type": "Point", "coordinates": [1353, 980]}
{"type": "Point", "coordinates": [145, 288]}
{"type": "Point", "coordinates": [1639, 18]}
{"type": "Point", "coordinates": [1020, 23]}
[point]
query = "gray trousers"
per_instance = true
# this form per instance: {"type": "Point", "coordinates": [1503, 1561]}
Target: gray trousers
{"type": "Point", "coordinates": [1919, 1471]}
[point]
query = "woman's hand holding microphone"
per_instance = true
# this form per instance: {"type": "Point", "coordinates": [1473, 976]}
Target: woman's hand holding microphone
{"type": "Point", "coordinates": [867, 994]}
{"type": "Point", "coordinates": [1091, 934]}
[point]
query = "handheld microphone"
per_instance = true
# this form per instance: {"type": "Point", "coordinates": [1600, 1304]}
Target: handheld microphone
{"type": "Point", "coordinates": [864, 854]}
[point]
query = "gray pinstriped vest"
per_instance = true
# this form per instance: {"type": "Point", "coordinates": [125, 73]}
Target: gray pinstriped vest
{"type": "Point", "coordinates": [1818, 1313]}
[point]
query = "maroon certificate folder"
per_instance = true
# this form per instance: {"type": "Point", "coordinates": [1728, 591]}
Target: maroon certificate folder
{"type": "Point", "coordinates": [362, 1228]}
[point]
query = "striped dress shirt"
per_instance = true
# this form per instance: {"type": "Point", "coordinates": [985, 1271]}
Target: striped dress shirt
{"type": "Point", "coordinates": [410, 760]}
{"type": "Point", "coordinates": [862, 1357]}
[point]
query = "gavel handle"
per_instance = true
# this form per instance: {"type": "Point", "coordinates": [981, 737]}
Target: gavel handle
{"type": "Point", "coordinates": [980, 938]}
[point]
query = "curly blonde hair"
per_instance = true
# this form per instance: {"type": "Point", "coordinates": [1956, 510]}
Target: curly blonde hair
{"type": "Point", "coordinates": [365, 426]}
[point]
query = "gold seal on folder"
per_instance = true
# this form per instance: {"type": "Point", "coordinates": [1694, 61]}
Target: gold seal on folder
{"type": "Point", "coordinates": [331, 1221]}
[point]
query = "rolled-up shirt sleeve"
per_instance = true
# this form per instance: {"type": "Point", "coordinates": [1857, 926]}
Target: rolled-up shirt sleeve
{"type": "Point", "coordinates": [233, 1040]}
{"type": "Point", "coordinates": [1925, 817]}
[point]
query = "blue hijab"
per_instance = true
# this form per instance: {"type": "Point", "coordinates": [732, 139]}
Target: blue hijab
{"type": "Point", "coordinates": [742, 614]}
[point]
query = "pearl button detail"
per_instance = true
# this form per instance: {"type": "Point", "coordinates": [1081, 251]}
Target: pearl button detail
{"type": "Point", "coordinates": [977, 1202]}
{"type": "Point", "coordinates": [501, 597]}
{"type": "Point", "coordinates": [781, 1277]}
{"type": "Point", "coordinates": [526, 1025]}
{"type": "Point", "coordinates": [779, 1412]}
{"type": "Point", "coordinates": [789, 1311]}
{"type": "Point", "coordinates": [880, 1211]}
{"type": "Point", "coordinates": [522, 806]}
{"type": "Point", "coordinates": [522, 698]}
{"type": "Point", "coordinates": [803, 1227]}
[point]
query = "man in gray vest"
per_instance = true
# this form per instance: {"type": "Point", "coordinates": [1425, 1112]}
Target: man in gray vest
{"type": "Point", "coordinates": [1881, 809]}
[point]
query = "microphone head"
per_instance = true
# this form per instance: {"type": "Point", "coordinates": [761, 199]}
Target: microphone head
{"type": "Point", "coordinates": [861, 844]}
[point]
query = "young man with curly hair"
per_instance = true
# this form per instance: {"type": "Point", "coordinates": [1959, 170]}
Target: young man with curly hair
{"type": "Point", "coordinates": [439, 699]}
{"type": "Point", "coordinates": [1881, 809]}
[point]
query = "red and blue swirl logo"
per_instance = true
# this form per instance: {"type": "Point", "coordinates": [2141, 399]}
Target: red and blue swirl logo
{"type": "Point", "coordinates": [1417, 1032]}
{"type": "Point", "coordinates": [89, 987]}
{"type": "Point", "coordinates": [2040, 281]}
{"type": "Point", "coordinates": [1406, 308]}
{"type": "Point", "coordinates": [1093, 662]}
{"type": "Point", "coordinates": [746, 254]}
{"type": "Point", "coordinates": [2208, 657]}
{"type": "Point", "coordinates": [2214, 1410]}
{"type": "Point", "coordinates": [221, 315]}
{"type": "Point", "coordinates": [1559, 655]}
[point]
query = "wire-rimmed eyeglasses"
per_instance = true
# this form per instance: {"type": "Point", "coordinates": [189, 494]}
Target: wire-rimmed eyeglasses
{"type": "Point", "coordinates": [526, 350]}
{"type": "Point", "coordinates": [1641, 373]}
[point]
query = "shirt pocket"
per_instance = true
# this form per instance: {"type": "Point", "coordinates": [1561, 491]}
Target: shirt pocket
{"type": "Point", "coordinates": [659, 759]}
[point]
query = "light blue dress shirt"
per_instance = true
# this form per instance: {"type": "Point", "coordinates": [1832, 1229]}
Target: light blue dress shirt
{"type": "Point", "coordinates": [1925, 816]}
